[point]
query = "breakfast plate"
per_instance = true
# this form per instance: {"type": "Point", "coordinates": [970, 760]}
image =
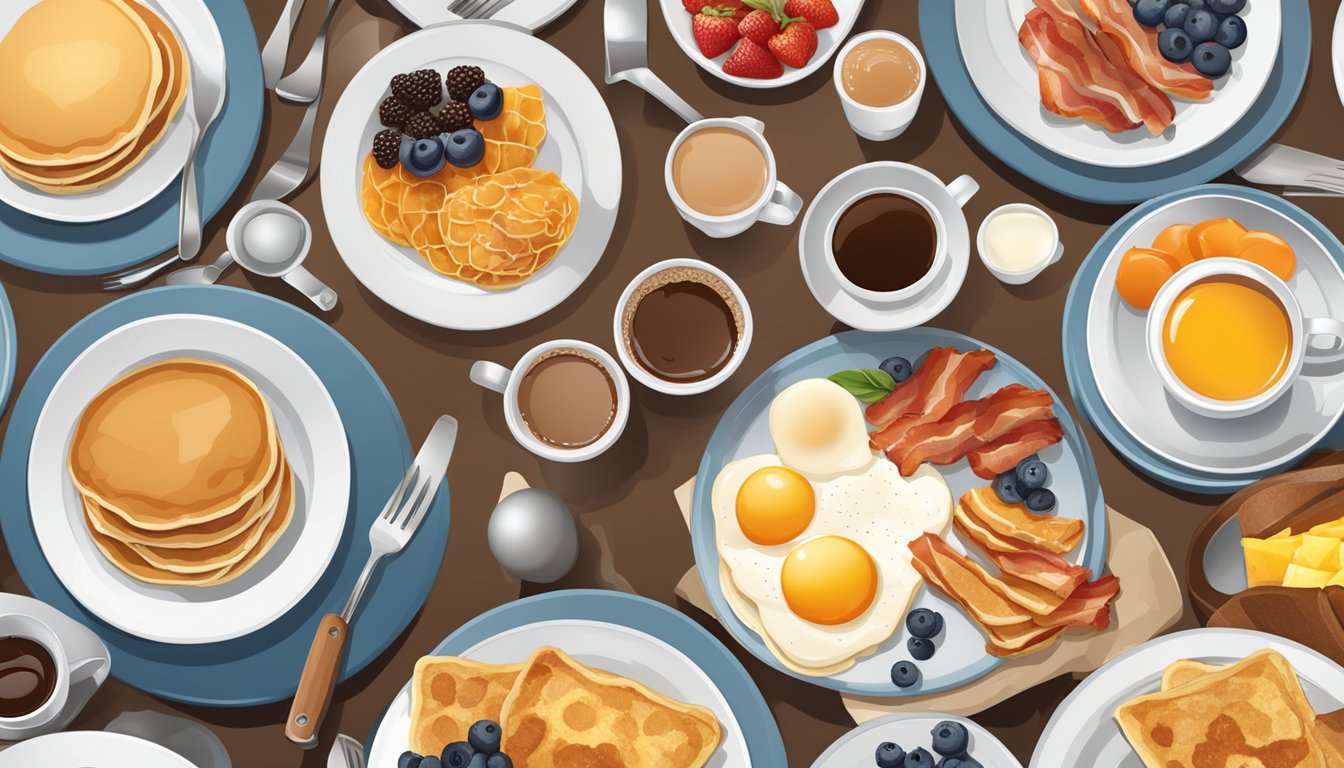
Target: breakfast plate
{"type": "Point", "coordinates": [1116, 387]}
{"type": "Point", "coordinates": [95, 748]}
{"type": "Point", "coordinates": [580, 145]}
{"type": "Point", "coordinates": [530, 15]}
{"type": "Point", "coordinates": [8, 348]}
{"type": "Point", "coordinates": [829, 41]}
{"type": "Point", "coordinates": [911, 730]}
{"type": "Point", "coordinates": [745, 430]}
{"type": "Point", "coordinates": [623, 634]}
{"type": "Point", "coordinates": [1083, 730]}
{"type": "Point", "coordinates": [1337, 52]}
{"type": "Point", "coordinates": [1007, 79]}
{"type": "Point", "coordinates": [260, 667]}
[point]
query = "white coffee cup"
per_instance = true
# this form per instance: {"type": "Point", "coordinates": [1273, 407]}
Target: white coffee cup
{"type": "Point", "coordinates": [1049, 255]}
{"type": "Point", "coordinates": [778, 204]}
{"type": "Point", "coordinates": [507, 381]}
{"type": "Point", "coordinates": [1302, 331]}
{"type": "Point", "coordinates": [879, 123]}
{"type": "Point", "coordinates": [36, 630]}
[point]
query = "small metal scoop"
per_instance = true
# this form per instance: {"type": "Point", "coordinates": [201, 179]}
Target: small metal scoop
{"type": "Point", "coordinates": [270, 239]}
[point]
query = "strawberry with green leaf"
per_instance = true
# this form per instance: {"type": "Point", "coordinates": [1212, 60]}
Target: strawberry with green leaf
{"type": "Point", "coordinates": [714, 30]}
{"type": "Point", "coordinates": [796, 41]}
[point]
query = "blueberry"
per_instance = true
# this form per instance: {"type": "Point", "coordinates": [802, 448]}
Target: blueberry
{"type": "Point", "coordinates": [1175, 16]}
{"type": "Point", "coordinates": [1198, 5]}
{"type": "Point", "coordinates": [950, 738]}
{"type": "Point", "coordinates": [904, 674]}
{"type": "Point", "coordinates": [1226, 7]}
{"type": "Point", "coordinates": [920, 648]}
{"type": "Point", "coordinates": [409, 760]}
{"type": "Point", "coordinates": [950, 762]}
{"type": "Point", "coordinates": [479, 760]}
{"type": "Point", "coordinates": [1032, 473]}
{"type": "Point", "coordinates": [1175, 45]}
{"type": "Point", "coordinates": [464, 148]}
{"type": "Point", "coordinates": [486, 102]}
{"type": "Point", "coordinates": [1151, 12]}
{"type": "Point", "coordinates": [1211, 60]}
{"type": "Point", "coordinates": [898, 367]}
{"type": "Point", "coordinates": [918, 758]}
{"type": "Point", "coordinates": [890, 755]}
{"type": "Point", "coordinates": [1200, 26]}
{"type": "Point", "coordinates": [484, 736]}
{"type": "Point", "coordinates": [1231, 32]}
{"type": "Point", "coordinates": [1041, 500]}
{"type": "Point", "coordinates": [1005, 486]}
{"type": "Point", "coordinates": [499, 760]}
{"type": "Point", "coordinates": [425, 157]}
{"type": "Point", "coordinates": [969, 762]}
{"type": "Point", "coordinates": [924, 623]}
{"type": "Point", "coordinates": [457, 755]}
{"type": "Point", "coordinates": [431, 762]}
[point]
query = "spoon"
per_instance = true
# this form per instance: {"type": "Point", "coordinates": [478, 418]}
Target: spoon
{"type": "Point", "coordinates": [270, 239]}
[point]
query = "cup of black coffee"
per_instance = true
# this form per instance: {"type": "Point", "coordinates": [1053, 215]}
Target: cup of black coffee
{"type": "Point", "coordinates": [34, 677]}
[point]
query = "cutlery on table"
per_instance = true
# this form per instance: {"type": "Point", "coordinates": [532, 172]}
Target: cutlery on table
{"type": "Point", "coordinates": [626, 30]}
{"type": "Point", "coordinates": [276, 51]}
{"type": "Point", "coordinates": [478, 9]}
{"type": "Point", "coordinates": [304, 85]}
{"type": "Point", "coordinates": [395, 526]}
{"type": "Point", "coordinates": [346, 753]}
{"type": "Point", "coordinates": [1294, 169]}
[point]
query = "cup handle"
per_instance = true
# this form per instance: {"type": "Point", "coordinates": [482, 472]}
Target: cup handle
{"type": "Point", "coordinates": [783, 206]}
{"type": "Point", "coordinates": [1059, 253]}
{"type": "Point", "coordinates": [752, 123]}
{"type": "Point", "coordinates": [310, 286]}
{"type": "Point", "coordinates": [490, 375]}
{"type": "Point", "coordinates": [962, 189]}
{"type": "Point", "coordinates": [1324, 326]}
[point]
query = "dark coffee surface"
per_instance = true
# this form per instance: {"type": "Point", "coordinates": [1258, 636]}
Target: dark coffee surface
{"type": "Point", "coordinates": [884, 242]}
{"type": "Point", "coordinates": [683, 332]}
{"type": "Point", "coordinates": [27, 676]}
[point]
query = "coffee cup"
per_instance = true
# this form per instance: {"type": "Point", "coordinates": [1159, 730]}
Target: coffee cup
{"type": "Point", "coordinates": [1017, 242]}
{"type": "Point", "coordinates": [40, 675]}
{"type": "Point", "coordinates": [880, 78]}
{"type": "Point", "coordinates": [1191, 330]}
{"type": "Point", "coordinates": [564, 400]}
{"type": "Point", "coordinates": [722, 177]}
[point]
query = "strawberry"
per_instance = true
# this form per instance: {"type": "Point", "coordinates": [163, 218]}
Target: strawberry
{"type": "Point", "coordinates": [758, 27]}
{"type": "Point", "coordinates": [796, 44]}
{"type": "Point", "coordinates": [714, 29]}
{"type": "Point", "coordinates": [820, 13]}
{"type": "Point", "coordinates": [753, 61]}
{"type": "Point", "coordinates": [694, 6]}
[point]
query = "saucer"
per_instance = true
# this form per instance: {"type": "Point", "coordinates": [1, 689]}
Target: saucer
{"type": "Point", "coordinates": [893, 315]}
{"type": "Point", "coordinates": [910, 730]}
{"type": "Point", "coordinates": [79, 643]}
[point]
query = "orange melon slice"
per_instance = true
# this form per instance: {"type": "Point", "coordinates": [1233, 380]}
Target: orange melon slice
{"type": "Point", "coordinates": [1141, 275]}
{"type": "Point", "coordinates": [1269, 251]}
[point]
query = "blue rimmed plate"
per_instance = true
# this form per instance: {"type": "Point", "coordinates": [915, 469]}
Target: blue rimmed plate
{"type": "Point", "coordinates": [620, 633]}
{"type": "Point", "coordinates": [938, 33]}
{"type": "Point", "coordinates": [9, 348]}
{"type": "Point", "coordinates": [744, 431]}
{"type": "Point", "coordinates": [263, 666]}
{"type": "Point", "coordinates": [94, 248]}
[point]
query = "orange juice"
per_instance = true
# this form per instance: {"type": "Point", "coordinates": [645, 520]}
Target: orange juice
{"type": "Point", "coordinates": [1227, 338]}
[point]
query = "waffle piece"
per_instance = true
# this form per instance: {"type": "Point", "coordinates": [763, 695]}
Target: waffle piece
{"type": "Point", "coordinates": [448, 694]}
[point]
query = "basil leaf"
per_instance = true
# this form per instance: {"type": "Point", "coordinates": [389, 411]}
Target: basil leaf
{"type": "Point", "coordinates": [867, 384]}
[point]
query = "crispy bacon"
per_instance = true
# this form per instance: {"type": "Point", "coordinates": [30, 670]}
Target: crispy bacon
{"type": "Point", "coordinates": [1123, 39]}
{"type": "Point", "coordinates": [1041, 568]}
{"type": "Point", "coordinates": [1003, 454]}
{"type": "Point", "coordinates": [1088, 606]}
{"type": "Point", "coordinates": [939, 382]}
{"type": "Point", "coordinates": [968, 426]}
{"type": "Point", "coordinates": [937, 396]}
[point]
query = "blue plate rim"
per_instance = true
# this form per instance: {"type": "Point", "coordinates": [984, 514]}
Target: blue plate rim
{"type": "Point", "coordinates": [702, 533]}
{"type": "Point", "coordinates": [9, 348]}
{"type": "Point", "coordinates": [937, 26]}
{"type": "Point", "coordinates": [149, 664]}
{"type": "Point", "coordinates": [1077, 362]}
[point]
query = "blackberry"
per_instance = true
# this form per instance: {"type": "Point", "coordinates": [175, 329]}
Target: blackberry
{"type": "Point", "coordinates": [387, 147]}
{"type": "Point", "coordinates": [463, 81]}
{"type": "Point", "coordinates": [422, 125]}
{"type": "Point", "coordinates": [455, 116]}
{"type": "Point", "coordinates": [419, 89]}
{"type": "Point", "coordinates": [393, 112]}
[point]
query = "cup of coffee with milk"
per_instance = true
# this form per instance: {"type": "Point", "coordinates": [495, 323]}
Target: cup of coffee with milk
{"type": "Point", "coordinates": [722, 177]}
{"type": "Point", "coordinates": [1017, 242]}
{"type": "Point", "coordinates": [880, 78]}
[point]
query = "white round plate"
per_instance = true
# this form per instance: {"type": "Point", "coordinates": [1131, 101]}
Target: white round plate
{"type": "Point", "coordinates": [859, 746]}
{"type": "Point", "coordinates": [1083, 730]}
{"type": "Point", "coordinates": [531, 14]}
{"type": "Point", "coordinates": [1337, 52]}
{"type": "Point", "coordinates": [874, 316]}
{"type": "Point", "coordinates": [315, 446]}
{"type": "Point", "coordinates": [581, 146]}
{"type": "Point", "coordinates": [609, 647]}
{"type": "Point", "coordinates": [1118, 351]}
{"type": "Point", "coordinates": [195, 27]}
{"type": "Point", "coordinates": [90, 749]}
{"type": "Point", "coordinates": [829, 41]}
{"type": "Point", "coordinates": [1007, 79]}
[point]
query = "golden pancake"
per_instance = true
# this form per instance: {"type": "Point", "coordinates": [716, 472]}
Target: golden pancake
{"type": "Point", "coordinates": [1185, 671]}
{"type": "Point", "coordinates": [448, 694]}
{"type": "Point", "coordinates": [561, 713]}
{"type": "Point", "coordinates": [275, 527]}
{"type": "Point", "coordinates": [80, 81]}
{"type": "Point", "coordinates": [175, 443]}
{"type": "Point", "coordinates": [381, 200]}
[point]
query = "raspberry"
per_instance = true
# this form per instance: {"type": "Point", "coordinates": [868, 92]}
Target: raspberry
{"type": "Point", "coordinates": [463, 81]}
{"type": "Point", "coordinates": [387, 147]}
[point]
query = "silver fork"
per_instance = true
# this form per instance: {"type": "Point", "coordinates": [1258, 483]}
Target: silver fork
{"type": "Point", "coordinates": [478, 9]}
{"type": "Point", "coordinates": [347, 753]}
{"type": "Point", "coordinates": [395, 526]}
{"type": "Point", "coordinates": [304, 84]}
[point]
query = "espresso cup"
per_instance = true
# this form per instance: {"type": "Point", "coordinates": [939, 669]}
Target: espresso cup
{"type": "Point", "coordinates": [879, 123]}
{"type": "Point", "coordinates": [49, 711]}
{"type": "Point", "coordinates": [508, 382]}
{"type": "Point", "coordinates": [1302, 332]}
{"type": "Point", "coordinates": [1051, 253]}
{"type": "Point", "coordinates": [777, 203]}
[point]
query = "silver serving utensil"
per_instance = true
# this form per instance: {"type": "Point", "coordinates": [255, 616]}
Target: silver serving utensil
{"type": "Point", "coordinates": [1281, 165]}
{"type": "Point", "coordinates": [346, 753]}
{"type": "Point", "coordinates": [626, 29]}
{"type": "Point", "coordinates": [395, 526]}
{"type": "Point", "coordinates": [478, 9]}
{"type": "Point", "coordinates": [304, 84]}
{"type": "Point", "coordinates": [276, 51]}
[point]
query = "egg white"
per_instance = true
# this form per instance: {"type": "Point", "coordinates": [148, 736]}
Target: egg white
{"type": "Point", "coordinates": [798, 411]}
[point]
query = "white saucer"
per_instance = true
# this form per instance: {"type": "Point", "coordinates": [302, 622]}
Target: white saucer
{"type": "Point", "coordinates": [91, 748]}
{"type": "Point", "coordinates": [891, 316]}
{"type": "Point", "coordinates": [910, 730]}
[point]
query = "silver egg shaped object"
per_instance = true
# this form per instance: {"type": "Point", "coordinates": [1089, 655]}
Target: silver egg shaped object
{"type": "Point", "coordinates": [533, 536]}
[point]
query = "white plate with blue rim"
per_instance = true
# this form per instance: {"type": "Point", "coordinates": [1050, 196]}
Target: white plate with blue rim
{"type": "Point", "coordinates": [98, 749]}
{"type": "Point", "coordinates": [531, 14]}
{"type": "Point", "coordinates": [910, 731]}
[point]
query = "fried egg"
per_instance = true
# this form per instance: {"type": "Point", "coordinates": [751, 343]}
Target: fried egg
{"type": "Point", "coordinates": [819, 565]}
{"type": "Point", "coordinates": [818, 428]}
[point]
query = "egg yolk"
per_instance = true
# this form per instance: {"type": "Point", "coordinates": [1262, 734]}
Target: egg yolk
{"type": "Point", "coordinates": [774, 505]}
{"type": "Point", "coordinates": [829, 580]}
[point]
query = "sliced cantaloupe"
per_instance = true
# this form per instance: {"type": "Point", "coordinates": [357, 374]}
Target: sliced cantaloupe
{"type": "Point", "coordinates": [1306, 578]}
{"type": "Point", "coordinates": [1320, 552]}
{"type": "Point", "coordinates": [1173, 242]}
{"type": "Point", "coordinates": [1141, 274]}
{"type": "Point", "coordinates": [1333, 529]}
{"type": "Point", "coordinates": [1269, 251]}
{"type": "Point", "coordinates": [1267, 560]}
{"type": "Point", "coordinates": [1215, 238]}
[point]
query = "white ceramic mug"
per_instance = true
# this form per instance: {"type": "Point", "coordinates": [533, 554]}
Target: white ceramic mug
{"type": "Point", "coordinates": [1054, 254]}
{"type": "Point", "coordinates": [879, 123]}
{"type": "Point", "coordinates": [959, 192]}
{"type": "Point", "coordinates": [778, 204]}
{"type": "Point", "coordinates": [675, 387]}
{"type": "Point", "coordinates": [47, 716]}
{"type": "Point", "coordinates": [1302, 331]}
{"type": "Point", "coordinates": [507, 381]}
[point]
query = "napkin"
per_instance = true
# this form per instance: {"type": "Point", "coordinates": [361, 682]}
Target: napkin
{"type": "Point", "coordinates": [1149, 603]}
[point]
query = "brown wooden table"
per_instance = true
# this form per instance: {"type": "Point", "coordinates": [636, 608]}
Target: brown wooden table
{"type": "Point", "coordinates": [632, 536]}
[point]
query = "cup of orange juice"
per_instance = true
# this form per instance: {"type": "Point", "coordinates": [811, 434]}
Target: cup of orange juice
{"type": "Point", "coordinates": [1228, 338]}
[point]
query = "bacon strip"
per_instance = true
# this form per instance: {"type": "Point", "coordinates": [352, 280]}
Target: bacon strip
{"type": "Point", "coordinates": [1043, 569]}
{"type": "Point", "coordinates": [968, 426]}
{"type": "Point", "coordinates": [1124, 40]}
{"type": "Point", "coordinates": [1004, 453]}
{"type": "Point", "coordinates": [1088, 606]}
{"type": "Point", "coordinates": [940, 381]}
{"type": "Point", "coordinates": [937, 395]}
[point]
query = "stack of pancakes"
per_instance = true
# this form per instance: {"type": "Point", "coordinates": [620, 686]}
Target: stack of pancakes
{"type": "Point", "coordinates": [89, 87]}
{"type": "Point", "coordinates": [182, 474]}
